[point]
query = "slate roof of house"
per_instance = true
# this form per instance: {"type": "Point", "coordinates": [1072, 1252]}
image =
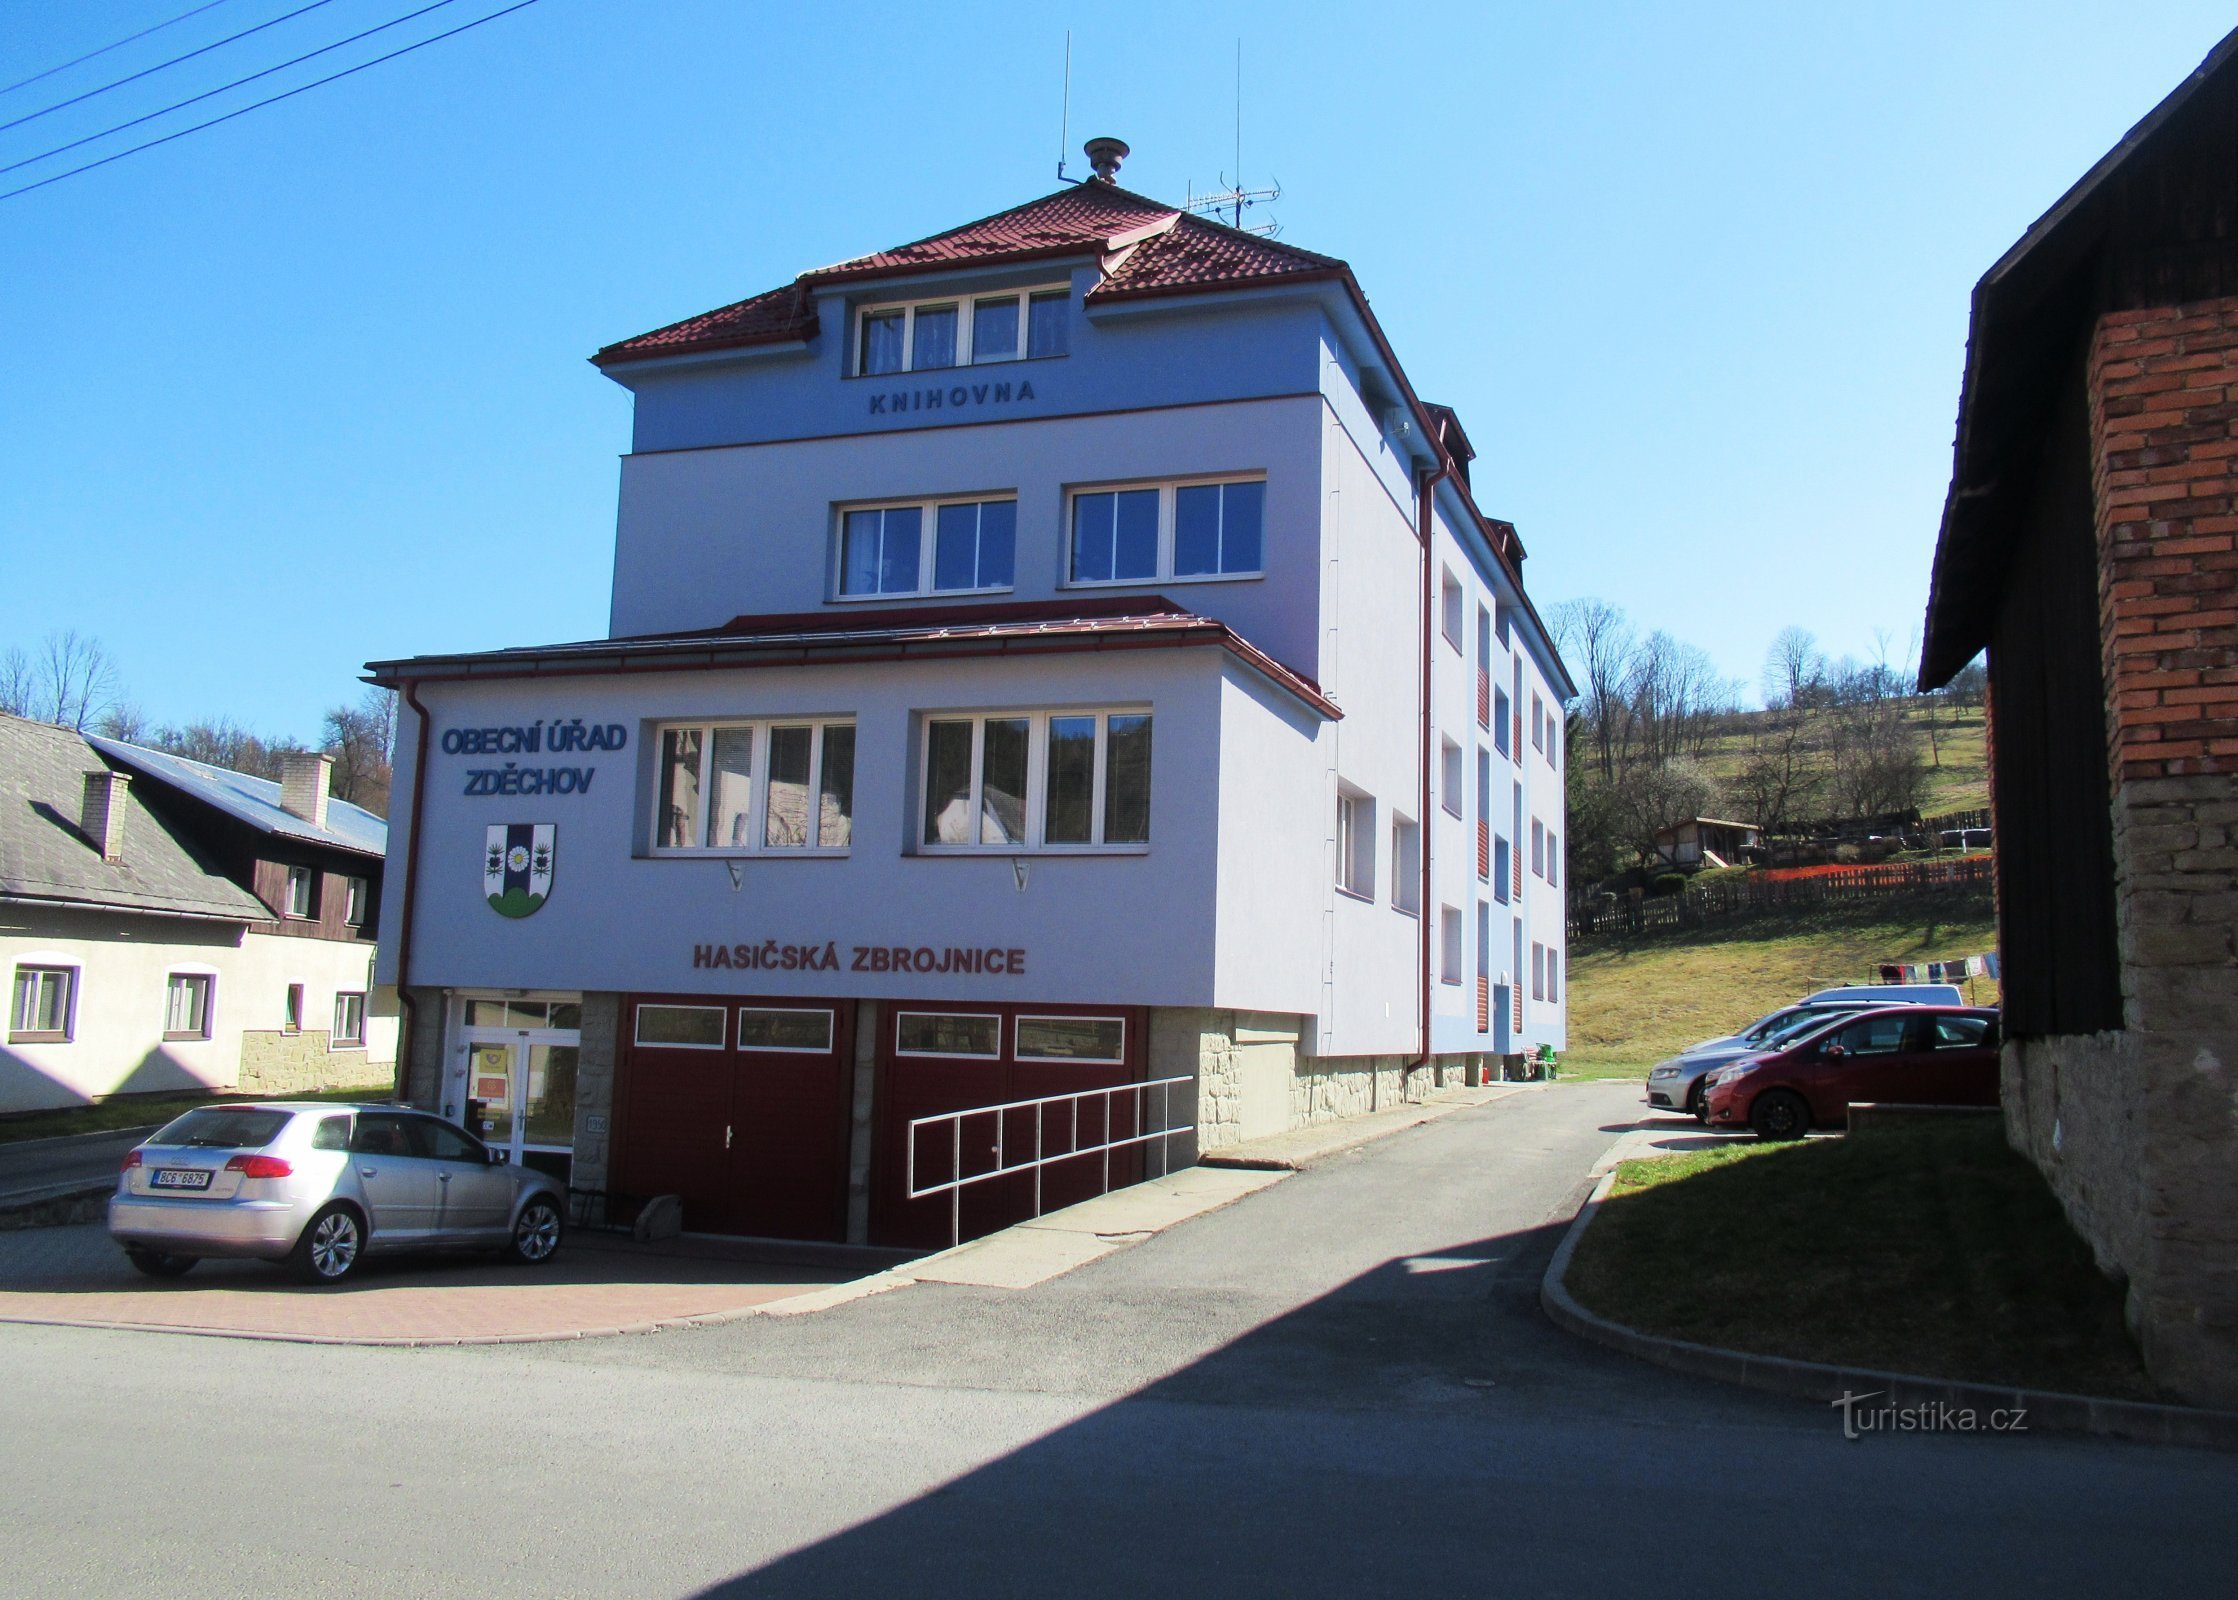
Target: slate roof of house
{"type": "Point", "coordinates": [44, 857]}
{"type": "Point", "coordinates": [1149, 248]}
{"type": "Point", "coordinates": [793, 639]}
{"type": "Point", "coordinates": [255, 801]}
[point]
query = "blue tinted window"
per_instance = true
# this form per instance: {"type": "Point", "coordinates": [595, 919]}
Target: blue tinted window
{"type": "Point", "coordinates": [1196, 528]}
{"type": "Point", "coordinates": [972, 548]}
{"type": "Point", "coordinates": [897, 567]}
{"type": "Point", "coordinates": [994, 330]}
{"type": "Point", "coordinates": [934, 342]}
{"type": "Point", "coordinates": [1242, 508]}
{"type": "Point", "coordinates": [1135, 552]}
{"type": "Point", "coordinates": [1091, 536]}
{"type": "Point", "coordinates": [881, 351]}
{"type": "Point", "coordinates": [1046, 318]}
{"type": "Point", "coordinates": [858, 563]}
{"type": "Point", "coordinates": [998, 538]}
{"type": "Point", "coordinates": [878, 552]}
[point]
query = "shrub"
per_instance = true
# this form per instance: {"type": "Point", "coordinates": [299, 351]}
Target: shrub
{"type": "Point", "coordinates": [1670, 883]}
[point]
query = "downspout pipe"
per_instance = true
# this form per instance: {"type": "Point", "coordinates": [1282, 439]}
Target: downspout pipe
{"type": "Point", "coordinates": [411, 1010]}
{"type": "Point", "coordinates": [1425, 522]}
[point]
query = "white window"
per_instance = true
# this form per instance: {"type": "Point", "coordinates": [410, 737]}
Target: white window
{"type": "Point", "coordinates": [1406, 864]}
{"type": "Point", "coordinates": [1449, 944]}
{"type": "Point", "coordinates": [1144, 532]}
{"type": "Point", "coordinates": [1356, 843]}
{"type": "Point", "coordinates": [1449, 778]}
{"type": "Point", "coordinates": [948, 1033]}
{"type": "Point", "coordinates": [1449, 609]}
{"type": "Point", "coordinates": [303, 898]}
{"type": "Point", "coordinates": [784, 1029]}
{"type": "Point", "coordinates": [349, 1021]}
{"type": "Point", "coordinates": [961, 331]}
{"type": "Point", "coordinates": [292, 1020]}
{"type": "Point", "coordinates": [1071, 1039]}
{"type": "Point", "coordinates": [1538, 722]}
{"type": "Point", "coordinates": [1553, 973]}
{"type": "Point", "coordinates": [1538, 848]}
{"type": "Point", "coordinates": [682, 1027]}
{"type": "Point", "coordinates": [885, 550]}
{"type": "Point", "coordinates": [1039, 780]}
{"type": "Point", "coordinates": [750, 787]}
{"type": "Point", "coordinates": [353, 901]}
{"type": "Point", "coordinates": [41, 1010]}
{"type": "Point", "coordinates": [186, 1005]}
{"type": "Point", "coordinates": [1553, 859]}
{"type": "Point", "coordinates": [1538, 970]}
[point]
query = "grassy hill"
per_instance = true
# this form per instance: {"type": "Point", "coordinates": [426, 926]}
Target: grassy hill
{"type": "Point", "coordinates": [1956, 759]}
{"type": "Point", "coordinates": [1635, 1001]}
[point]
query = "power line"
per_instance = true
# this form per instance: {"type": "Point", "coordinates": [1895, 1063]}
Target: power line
{"type": "Point", "coordinates": [161, 65]}
{"type": "Point", "coordinates": [208, 5]}
{"type": "Point", "coordinates": [181, 105]}
{"type": "Point", "coordinates": [285, 94]}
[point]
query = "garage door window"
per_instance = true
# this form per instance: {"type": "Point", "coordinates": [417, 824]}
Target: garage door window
{"type": "Point", "coordinates": [783, 1028]}
{"type": "Point", "coordinates": [941, 1033]}
{"type": "Point", "coordinates": [1100, 1039]}
{"type": "Point", "coordinates": [681, 1027]}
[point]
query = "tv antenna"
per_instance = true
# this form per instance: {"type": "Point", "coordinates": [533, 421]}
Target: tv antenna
{"type": "Point", "coordinates": [1230, 201]}
{"type": "Point", "coordinates": [1064, 119]}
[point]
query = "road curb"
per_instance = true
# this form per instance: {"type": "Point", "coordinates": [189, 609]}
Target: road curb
{"type": "Point", "coordinates": [57, 1205]}
{"type": "Point", "coordinates": [2048, 1411]}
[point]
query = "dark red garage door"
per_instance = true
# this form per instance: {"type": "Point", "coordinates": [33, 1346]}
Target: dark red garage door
{"type": "Point", "coordinates": [941, 1058]}
{"type": "Point", "coordinates": [741, 1108]}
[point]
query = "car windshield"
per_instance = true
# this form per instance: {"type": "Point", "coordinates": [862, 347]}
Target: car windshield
{"type": "Point", "coordinates": [1801, 1023]}
{"type": "Point", "coordinates": [1771, 1026]}
{"type": "Point", "coordinates": [223, 1128]}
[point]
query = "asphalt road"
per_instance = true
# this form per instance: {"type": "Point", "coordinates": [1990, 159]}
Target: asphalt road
{"type": "Point", "coordinates": [1341, 1385]}
{"type": "Point", "coordinates": [35, 1168]}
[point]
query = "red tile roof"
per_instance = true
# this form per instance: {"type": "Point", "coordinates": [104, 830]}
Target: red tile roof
{"type": "Point", "coordinates": [1152, 249]}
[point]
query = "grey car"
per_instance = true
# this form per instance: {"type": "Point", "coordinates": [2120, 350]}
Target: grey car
{"type": "Point", "coordinates": [1680, 1084]}
{"type": "Point", "coordinates": [319, 1185]}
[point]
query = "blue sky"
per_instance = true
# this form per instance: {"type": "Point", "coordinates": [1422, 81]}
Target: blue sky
{"type": "Point", "coordinates": [310, 388]}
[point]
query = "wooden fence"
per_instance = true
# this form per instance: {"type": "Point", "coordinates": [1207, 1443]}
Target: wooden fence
{"type": "Point", "coordinates": [1754, 895]}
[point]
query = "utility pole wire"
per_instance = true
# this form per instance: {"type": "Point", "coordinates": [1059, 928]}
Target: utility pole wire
{"type": "Point", "coordinates": [285, 94]}
{"type": "Point", "coordinates": [79, 61]}
{"type": "Point", "coordinates": [181, 105]}
{"type": "Point", "coordinates": [161, 65]}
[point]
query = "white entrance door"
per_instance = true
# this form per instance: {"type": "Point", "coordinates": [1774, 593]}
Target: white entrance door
{"type": "Point", "coordinates": [519, 1090]}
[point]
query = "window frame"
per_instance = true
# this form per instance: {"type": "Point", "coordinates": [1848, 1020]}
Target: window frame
{"type": "Point", "coordinates": [1036, 797]}
{"type": "Point", "coordinates": [966, 304]}
{"type": "Point", "coordinates": [1018, 1050]}
{"type": "Point", "coordinates": [339, 1039]}
{"type": "Point", "coordinates": [356, 892]}
{"type": "Point", "coordinates": [309, 878]}
{"type": "Point", "coordinates": [948, 1055]}
{"type": "Point", "coordinates": [831, 1032]}
{"type": "Point", "coordinates": [1168, 491]}
{"type": "Point", "coordinates": [1406, 864]}
{"type": "Point", "coordinates": [638, 1040]}
{"type": "Point", "coordinates": [291, 1008]}
{"type": "Point", "coordinates": [1452, 782]}
{"type": "Point", "coordinates": [69, 976]}
{"type": "Point", "coordinates": [757, 806]}
{"type": "Point", "coordinates": [1452, 946]}
{"type": "Point", "coordinates": [184, 980]}
{"type": "Point", "coordinates": [928, 545]}
{"type": "Point", "coordinates": [1452, 608]}
{"type": "Point", "coordinates": [1356, 842]}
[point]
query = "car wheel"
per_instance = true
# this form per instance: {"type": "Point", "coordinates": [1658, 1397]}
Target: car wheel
{"type": "Point", "coordinates": [1698, 1102]}
{"type": "Point", "coordinates": [1779, 1114]}
{"type": "Point", "coordinates": [536, 1233]}
{"type": "Point", "coordinates": [329, 1249]}
{"type": "Point", "coordinates": [159, 1263]}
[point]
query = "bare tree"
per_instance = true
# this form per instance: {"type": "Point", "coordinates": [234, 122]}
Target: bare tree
{"type": "Point", "coordinates": [1653, 797]}
{"type": "Point", "coordinates": [1793, 667]}
{"type": "Point", "coordinates": [123, 721]}
{"type": "Point", "coordinates": [1778, 780]}
{"type": "Point", "coordinates": [16, 680]}
{"type": "Point", "coordinates": [1875, 766]}
{"type": "Point", "coordinates": [1595, 634]}
{"type": "Point", "coordinates": [361, 739]}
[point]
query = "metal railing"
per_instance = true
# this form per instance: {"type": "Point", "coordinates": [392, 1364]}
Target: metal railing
{"type": "Point", "coordinates": [1005, 1167]}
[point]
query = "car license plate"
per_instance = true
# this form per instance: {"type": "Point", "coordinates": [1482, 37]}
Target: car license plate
{"type": "Point", "coordinates": [181, 1178]}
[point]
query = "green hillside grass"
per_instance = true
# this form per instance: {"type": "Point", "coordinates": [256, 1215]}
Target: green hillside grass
{"type": "Point", "coordinates": [1635, 1001]}
{"type": "Point", "coordinates": [1957, 763]}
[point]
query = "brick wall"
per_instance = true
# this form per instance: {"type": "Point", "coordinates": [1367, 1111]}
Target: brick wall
{"type": "Point", "coordinates": [2137, 1128]}
{"type": "Point", "coordinates": [277, 1064]}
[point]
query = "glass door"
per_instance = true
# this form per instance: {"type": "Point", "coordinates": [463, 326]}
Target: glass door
{"type": "Point", "coordinates": [519, 1089]}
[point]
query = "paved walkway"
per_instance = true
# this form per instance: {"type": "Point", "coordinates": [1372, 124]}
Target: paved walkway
{"type": "Point", "coordinates": [77, 1276]}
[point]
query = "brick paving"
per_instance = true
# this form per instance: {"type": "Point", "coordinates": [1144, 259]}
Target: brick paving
{"type": "Point", "coordinates": [597, 1284]}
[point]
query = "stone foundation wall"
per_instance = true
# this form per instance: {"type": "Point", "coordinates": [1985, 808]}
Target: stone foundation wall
{"type": "Point", "coordinates": [278, 1064]}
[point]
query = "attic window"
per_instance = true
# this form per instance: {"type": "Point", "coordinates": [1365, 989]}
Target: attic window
{"type": "Point", "coordinates": [961, 331]}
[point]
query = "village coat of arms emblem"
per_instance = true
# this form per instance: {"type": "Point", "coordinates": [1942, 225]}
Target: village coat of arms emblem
{"type": "Point", "coordinates": [517, 867]}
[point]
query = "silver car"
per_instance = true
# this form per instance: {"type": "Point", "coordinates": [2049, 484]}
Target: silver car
{"type": "Point", "coordinates": [319, 1185]}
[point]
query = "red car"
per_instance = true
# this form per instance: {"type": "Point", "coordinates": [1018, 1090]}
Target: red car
{"type": "Point", "coordinates": [1905, 1055]}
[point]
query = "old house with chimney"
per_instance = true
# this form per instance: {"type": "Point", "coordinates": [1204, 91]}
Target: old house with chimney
{"type": "Point", "coordinates": [2090, 545]}
{"type": "Point", "coordinates": [167, 925]}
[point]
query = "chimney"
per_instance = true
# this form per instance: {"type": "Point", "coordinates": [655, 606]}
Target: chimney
{"type": "Point", "coordinates": [303, 780]}
{"type": "Point", "coordinates": [1104, 156]}
{"type": "Point", "coordinates": [101, 818]}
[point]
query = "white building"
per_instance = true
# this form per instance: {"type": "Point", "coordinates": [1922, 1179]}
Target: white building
{"type": "Point", "coordinates": [169, 926]}
{"type": "Point", "coordinates": [1055, 654]}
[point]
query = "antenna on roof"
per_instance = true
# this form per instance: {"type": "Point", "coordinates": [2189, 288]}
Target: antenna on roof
{"type": "Point", "coordinates": [1229, 202]}
{"type": "Point", "coordinates": [1064, 122]}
